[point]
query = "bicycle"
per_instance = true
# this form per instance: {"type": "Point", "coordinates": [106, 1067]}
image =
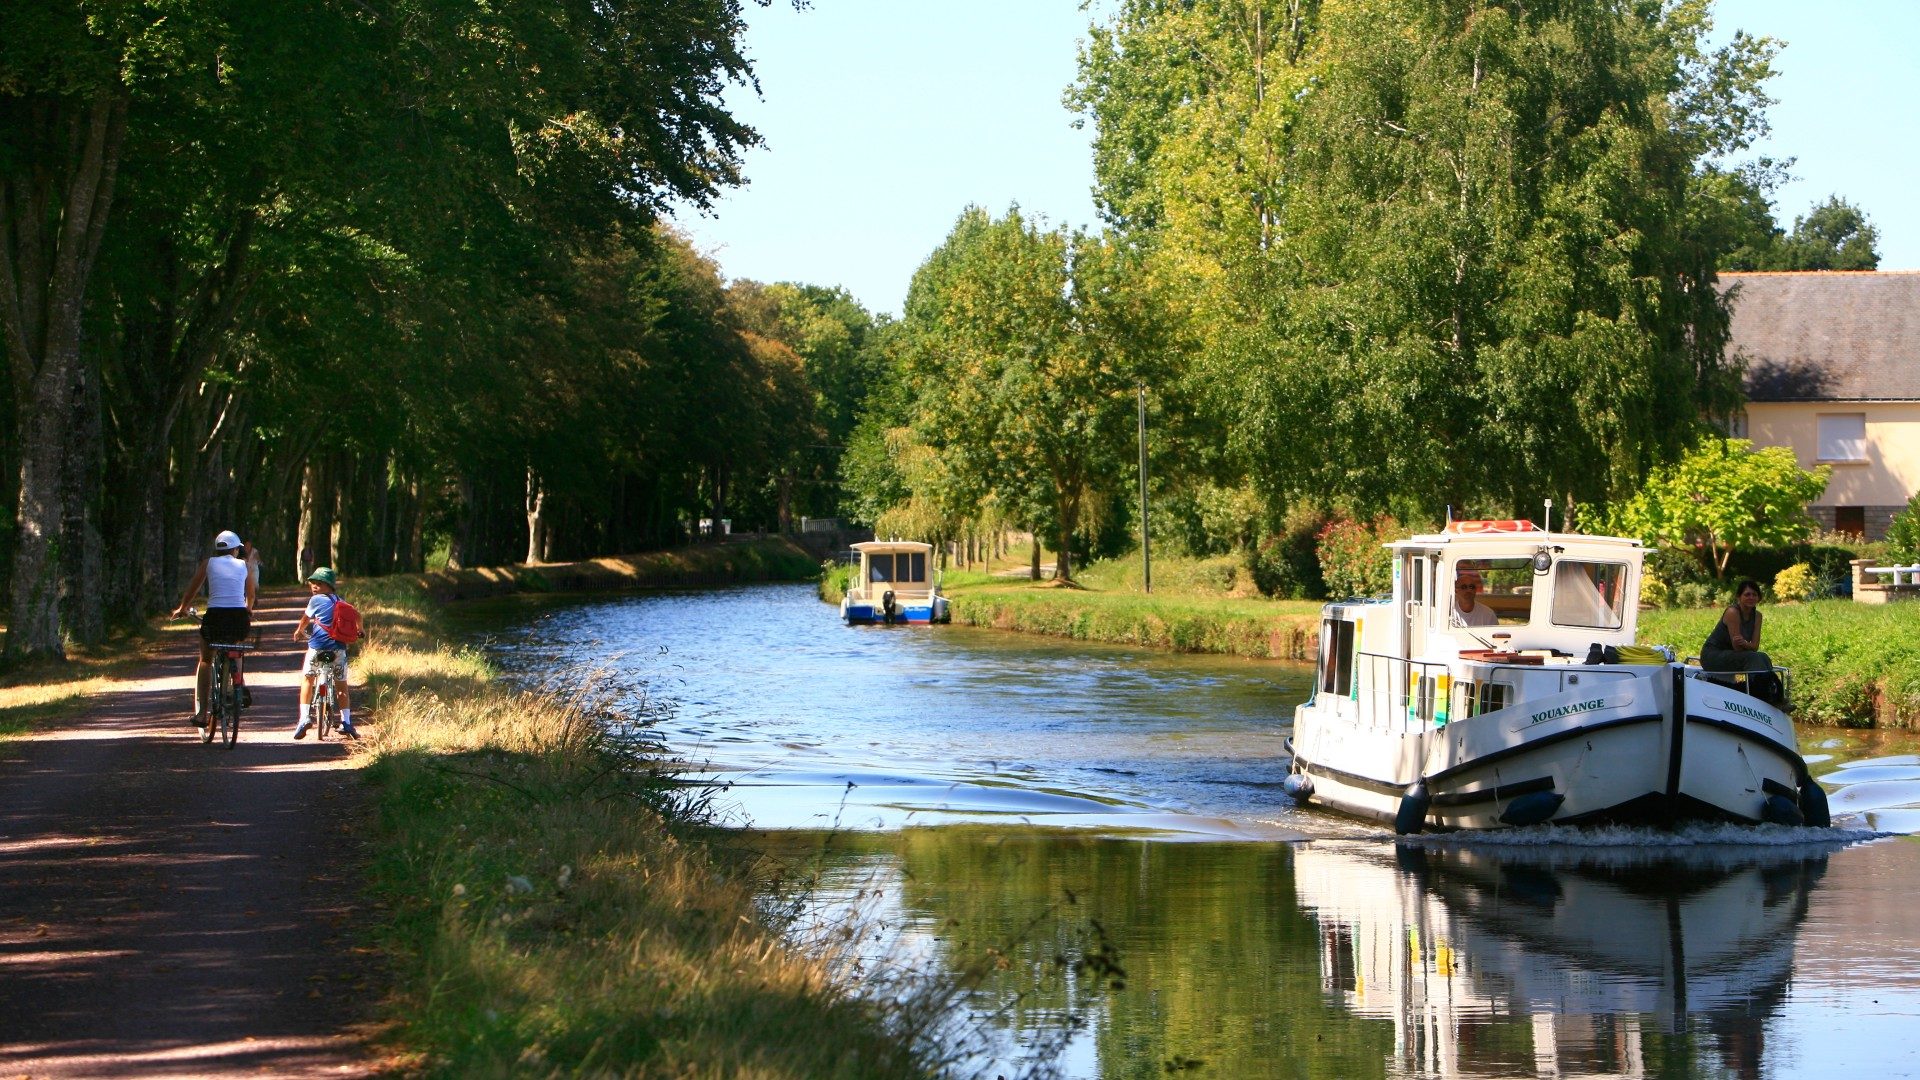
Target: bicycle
{"type": "Point", "coordinates": [223, 708]}
{"type": "Point", "coordinates": [326, 703]}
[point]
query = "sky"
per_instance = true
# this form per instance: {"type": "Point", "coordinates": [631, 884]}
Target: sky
{"type": "Point", "coordinates": [884, 119]}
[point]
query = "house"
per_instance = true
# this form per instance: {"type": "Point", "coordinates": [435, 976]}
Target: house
{"type": "Point", "coordinates": [1833, 371]}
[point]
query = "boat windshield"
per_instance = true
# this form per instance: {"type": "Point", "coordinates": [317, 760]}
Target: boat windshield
{"type": "Point", "coordinates": [1504, 589]}
{"type": "Point", "coordinates": [1588, 594]}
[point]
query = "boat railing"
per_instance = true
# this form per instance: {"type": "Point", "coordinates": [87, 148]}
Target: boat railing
{"type": "Point", "coordinates": [1408, 696]}
{"type": "Point", "coordinates": [1751, 683]}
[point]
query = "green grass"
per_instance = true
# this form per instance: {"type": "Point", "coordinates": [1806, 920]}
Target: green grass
{"type": "Point", "coordinates": [1197, 605]}
{"type": "Point", "coordinates": [554, 903]}
{"type": "Point", "coordinates": [1854, 665]}
{"type": "Point", "coordinates": [45, 692]}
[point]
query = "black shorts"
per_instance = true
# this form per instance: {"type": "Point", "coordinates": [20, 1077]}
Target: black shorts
{"type": "Point", "coordinates": [226, 625]}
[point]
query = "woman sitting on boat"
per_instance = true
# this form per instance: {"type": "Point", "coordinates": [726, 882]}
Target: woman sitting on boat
{"type": "Point", "coordinates": [1734, 644]}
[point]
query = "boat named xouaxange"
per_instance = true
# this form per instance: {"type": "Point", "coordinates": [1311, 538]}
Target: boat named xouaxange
{"type": "Point", "coordinates": [1500, 685]}
{"type": "Point", "coordinates": [896, 584]}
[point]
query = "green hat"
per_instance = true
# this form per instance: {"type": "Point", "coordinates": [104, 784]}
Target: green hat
{"type": "Point", "coordinates": [325, 576]}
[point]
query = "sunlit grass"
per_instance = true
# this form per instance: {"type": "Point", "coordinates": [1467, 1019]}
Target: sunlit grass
{"type": "Point", "coordinates": [1198, 605]}
{"type": "Point", "coordinates": [1853, 664]}
{"type": "Point", "coordinates": [46, 691]}
{"type": "Point", "coordinates": [557, 904]}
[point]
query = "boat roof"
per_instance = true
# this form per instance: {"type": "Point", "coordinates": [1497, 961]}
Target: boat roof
{"type": "Point", "coordinates": [1518, 537]}
{"type": "Point", "coordinates": [891, 545]}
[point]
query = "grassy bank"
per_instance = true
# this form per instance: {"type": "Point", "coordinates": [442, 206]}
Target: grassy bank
{"type": "Point", "coordinates": [708, 564]}
{"type": "Point", "coordinates": [44, 692]}
{"type": "Point", "coordinates": [1197, 605]}
{"type": "Point", "coordinates": [1854, 665]}
{"type": "Point", "coordinates": [553, 903]}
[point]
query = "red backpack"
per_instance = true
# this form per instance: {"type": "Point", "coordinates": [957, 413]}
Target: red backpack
{"type": "Point", "coordinates": [345, 627]}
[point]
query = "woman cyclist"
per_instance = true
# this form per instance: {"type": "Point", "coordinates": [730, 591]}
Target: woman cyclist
{"type": "Point", "coordinates": [230, 595]}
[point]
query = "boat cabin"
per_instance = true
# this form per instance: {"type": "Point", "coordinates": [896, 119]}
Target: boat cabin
{"type": "Point", "coordinates": [897, 582]}
{"type": "Point", "coordinates": [1475, 602]}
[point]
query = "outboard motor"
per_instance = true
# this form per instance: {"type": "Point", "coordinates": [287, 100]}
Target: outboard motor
{"type": "Point", "coordinates": [887, 607]}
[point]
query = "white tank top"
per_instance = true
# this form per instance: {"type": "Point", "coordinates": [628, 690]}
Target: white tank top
{"type": "Point", "coordinates": [226, 582]}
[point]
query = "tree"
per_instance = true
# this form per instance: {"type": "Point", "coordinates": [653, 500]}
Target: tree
{"type": "Point", "coordinates": [1722, 496]}
{"type": "Point", "coordinates": [1433, 252]}
{"type": "Point", "coordinates": [1903, 535]}
{"type": "Point", "coordinates": [1027, 347]}
{"type": "Point", "coordinates": [1834, 235]}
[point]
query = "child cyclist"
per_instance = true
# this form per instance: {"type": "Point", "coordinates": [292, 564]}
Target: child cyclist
{"type": "Point", "coordinates": [316, 622]}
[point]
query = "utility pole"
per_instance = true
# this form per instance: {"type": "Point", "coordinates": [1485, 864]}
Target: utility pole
{"type": "Point", "coordinates": [1146, 555]}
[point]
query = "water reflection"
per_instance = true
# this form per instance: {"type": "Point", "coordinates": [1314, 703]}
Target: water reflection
{"type": "Point", "coordinates": [1354, 958]}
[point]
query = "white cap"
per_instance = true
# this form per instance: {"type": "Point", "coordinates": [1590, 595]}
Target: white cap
{"type": "Point", "coordinates": [226, 541]}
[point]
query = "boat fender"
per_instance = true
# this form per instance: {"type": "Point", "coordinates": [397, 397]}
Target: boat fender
{"type": "Point", "coordinates": [1813, 804]}
{"type": "Point", "coordinates": [1781, 810]}
{"type": "Point", "coordinates": [1299, 787]}
{"type": "Point", "coordinates": [1532, 808]}
{"type": "Point", "coordinates": [1413, 810]}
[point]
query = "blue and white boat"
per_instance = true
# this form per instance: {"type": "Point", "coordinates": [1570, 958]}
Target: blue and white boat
{"type": "Point", "coordinates": [896, 584]}
{"type": "Point", "coordinates": [1530, 702]}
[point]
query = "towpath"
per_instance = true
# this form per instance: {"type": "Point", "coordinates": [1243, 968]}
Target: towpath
{"type": "Point", "coordinates": [169, 908]}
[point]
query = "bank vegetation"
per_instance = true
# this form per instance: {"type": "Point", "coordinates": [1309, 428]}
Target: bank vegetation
{"type": "Point", "coordinates": [555, 901]}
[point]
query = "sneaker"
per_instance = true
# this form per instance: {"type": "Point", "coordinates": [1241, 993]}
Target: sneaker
{"type": "Point", "coordinates": [347, 730]}
{"type": "Point", "coordinates": [300, 732]}
{"type": "Point", "coordinates": [246, 697]}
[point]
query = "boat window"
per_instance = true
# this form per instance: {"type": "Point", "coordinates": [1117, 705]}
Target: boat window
{"type": "Point", "coordinates": [1417, 579]}
{"type": "Point", "coordinates": [1336, 657]}
{"type": "Point", "coordinates": [919, 567]}
{"type": "Point", "coordinates": [1588, 594]}
{"type": "Point", "coordinates": [880, 567]}
{"type": "Point", "coordinates": [1491, 696]}
{"type": "Point", "coordinates": [1506, 590]}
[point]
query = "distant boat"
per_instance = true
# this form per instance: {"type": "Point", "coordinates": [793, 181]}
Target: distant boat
{"type": "Point", "coordinates": [894, 586]}
{"type": "Point", "coordinates": [1534, 705]}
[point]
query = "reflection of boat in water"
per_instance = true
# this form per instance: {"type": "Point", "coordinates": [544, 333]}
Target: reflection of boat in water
{"type": "Point", "coordinates": [894, 585]}
{"type": "Point", "coordinates": [1596, 951]}
{"type": "Point", "coordinates": [1523, 699]}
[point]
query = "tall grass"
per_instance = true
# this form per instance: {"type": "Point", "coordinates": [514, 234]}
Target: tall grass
{"type": "Point", "coordinates": [555, 902]}
{"type": "Point", "coordinates": [1854, 665]}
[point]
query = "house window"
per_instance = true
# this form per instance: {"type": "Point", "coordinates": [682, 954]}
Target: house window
{"type": "Point", "coordinates": [1851, 520]}
{"type": "Point", "coordinates": [1843, 437]}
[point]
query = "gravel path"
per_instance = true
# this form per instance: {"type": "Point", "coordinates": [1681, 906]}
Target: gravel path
{"type": "Point", "coordinates": [174, 909]}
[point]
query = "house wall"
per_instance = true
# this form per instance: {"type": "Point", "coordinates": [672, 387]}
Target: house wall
{"type": "Point", "coordinates": [1881, 484]}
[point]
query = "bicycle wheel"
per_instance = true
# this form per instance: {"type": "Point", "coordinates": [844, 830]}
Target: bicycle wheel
{"type": "Point", "coordinates": [230, 726]}
{"type": "Point", "coordinates": [216, 693]}
{"type": "Point", "coordinates": [329, 718]}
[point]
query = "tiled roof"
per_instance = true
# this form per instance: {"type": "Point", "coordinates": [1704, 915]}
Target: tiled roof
{"type": "Point", "coordinates": [1828, 336]}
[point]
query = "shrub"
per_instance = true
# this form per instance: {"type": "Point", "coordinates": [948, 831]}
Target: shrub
{"type": "Point", "coordinates": [1795, 583]}
{"type": "Point", "coordinates": [1352, 560]}
{"type": "Point", "coordinates": [1287, 564]}
{"type": "Point", "coordinates": [1903, 536]}
{"type": "Point", "coordinates": [1693, 594]}
{"type": "Point", "coordinates": [1654, 593]}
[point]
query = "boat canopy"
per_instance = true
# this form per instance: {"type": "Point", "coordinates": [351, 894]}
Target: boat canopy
{"type": "Point", "coordinates": [895, 562]}
{"type": "Point", "coordinates": [1527, 589]}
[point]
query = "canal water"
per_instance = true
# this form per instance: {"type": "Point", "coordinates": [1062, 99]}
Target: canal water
{"type": "Point", "coordinates": [1092, 843]}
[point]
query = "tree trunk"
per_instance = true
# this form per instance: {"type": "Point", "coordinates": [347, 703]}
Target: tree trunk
{"type": "Point", "coordinates": [85, 562]}
{"type": "Point", "coordinates": [1033, 569]}
{"type": "Point", "coordinates": [536, 518]}
{"type": "Point", "coordinates": [52, 215]}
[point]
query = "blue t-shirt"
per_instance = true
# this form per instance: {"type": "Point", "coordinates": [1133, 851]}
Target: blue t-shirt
{"type": "Point", "coordinates": [320, 611]}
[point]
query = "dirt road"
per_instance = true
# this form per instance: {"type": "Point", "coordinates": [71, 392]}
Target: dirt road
{"type": "Point", "coordinates": [169, 908]}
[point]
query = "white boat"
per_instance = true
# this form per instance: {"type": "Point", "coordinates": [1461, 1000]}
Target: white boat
{"type": "Point", "coordinates": [896, 583]}
{"type": "Point", "coordinates": [1422, 718]}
